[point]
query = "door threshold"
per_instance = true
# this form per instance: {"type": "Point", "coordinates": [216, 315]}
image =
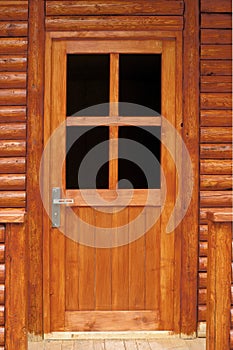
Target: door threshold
{"type": "Point", "coordinates": [110, 335]}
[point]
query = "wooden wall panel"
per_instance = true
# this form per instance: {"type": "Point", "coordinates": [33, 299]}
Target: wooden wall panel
{"type": "Point", "coordinates": [108, 7]}
{"type": "Point", "coordinates": [216, 121]}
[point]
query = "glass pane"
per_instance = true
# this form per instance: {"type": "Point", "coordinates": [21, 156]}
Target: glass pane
{"type": "Point", "coordinates": [140, 83]}
{"type": "Point", "coordinates": [139, 157]}
{"type": "Point", "coordinates": [87, 84]}
{"type": "Point", "coordinates": [87, 170]}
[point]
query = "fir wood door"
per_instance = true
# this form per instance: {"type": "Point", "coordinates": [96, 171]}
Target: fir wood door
{"type": "Point", "coordinates": [110, 266]}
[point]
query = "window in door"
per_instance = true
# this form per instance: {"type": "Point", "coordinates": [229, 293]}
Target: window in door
{"type": "Point", "coordinates": [127, 131]}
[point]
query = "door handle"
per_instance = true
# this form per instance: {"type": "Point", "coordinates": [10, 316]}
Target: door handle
{"type": "Point", "coordinates": [56, 202]}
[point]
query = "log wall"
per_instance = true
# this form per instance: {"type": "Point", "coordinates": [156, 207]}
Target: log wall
{"type": "Point", "coordinates": [13, 110]}
{"type": "Point", "coordinates": [215, 125]}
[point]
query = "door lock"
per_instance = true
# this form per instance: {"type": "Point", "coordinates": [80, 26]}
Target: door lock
{"type": "Point", "coordinates": [56, 202]}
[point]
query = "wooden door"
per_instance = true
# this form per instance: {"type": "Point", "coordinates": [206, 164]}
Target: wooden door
{"type": "Point", "coordinates": [110, 266]}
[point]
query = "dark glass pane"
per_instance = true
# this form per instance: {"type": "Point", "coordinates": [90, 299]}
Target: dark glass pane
{"type": "Point", "coordinates": [139, 156]}
{"type": "Point", "coordinates": [92, 171]}
{"type": "Point", "coordinates": [140, 83]}
{"type": "Point", "coordinates": [87, 84]}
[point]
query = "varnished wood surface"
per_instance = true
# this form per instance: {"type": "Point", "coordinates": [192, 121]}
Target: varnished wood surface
{"type": "Point", "coordinates": [216, 36]}
{"type": "Point", "coordinates": [15, 29]}
{"type": "Point", "coordinates": [16, 265]}
{"type": "Point", "coordinates": [219, 285]}
{"type": "Point", "coordinates": [216, 117]}
{"type": "Point", "coordinates": [34, 147]}
{"type": "Point", "coordinates": [220, 83]}
{"type": "Point", "coordinates": [119, 7]}
{"type": "Point", "coordinates": [216, 151]}
{"type": "Point", "coordinates": [13, 10]}
{"type": "Point", "coordinates": [216, 67]}
{"type": "Point", "coordinates": [218, 6]}
{"type": "Point", "coordinates": [15, 63]}
{"type": "Point", "coordinates": [63, 23]}
{"type": "Point", "coordinates": [216, 182]}
{"type": "Point", "coordinates": [216, 21]}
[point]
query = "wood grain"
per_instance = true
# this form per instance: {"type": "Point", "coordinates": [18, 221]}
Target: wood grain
{"type": "Point", "coordinates": [111, 320]}
{"type": "Point", "coordinates": [12, 148]}
{"type": "Point", "coordinates": [12, 181]}
{"type": "Point", "coordinates": [219, 285]}
{"type": "Point", "coordinates": [12, 165]}
{"type": "Point", "coordinates": [12, 199]}
{"type": "Point", "coordinates": [216, 166]}
{"type": "Point", "coordinates": [13, 10]}
{"type": "Point", "coordinates": [216, 151]}
{"type": "Point", "coordinates": [13, 80]}
{"type": "Point", "coordinates": [114, 23]}
{"type": "Point", "coordinates": [16, 265]}
{"type": "Point", "coordinates": [191, 138]}
{"type": "Point", "coordinates": [13, 131]}
{"type": "Point", "coordinates": [13, 97]}
{"type": "Point", "coordinates": [12, 114]}
{"type": "Point", "coordinates": [216, 182]}
{"type": "Point", "coordinates": [119, 7]}
{"type": "Point", "coordinates": [216, 199]}
{"type": "Point", "coordinates": [13, 29]}
{"type": "Point", "coordinates": [216, 117]}
{"type": "Point", "coordinates": [216, 135]}
{"type": "Point", "coordinates": [216, 6]}
{"type": "Point", "coordinates": [216, 100]}
{"type": "Point", "coordinates": [216, 21]}
{"type": "Point", "coordinates": [34, 146]}
{"type": "Point", "coordinates": [215, 52]}
{"type": "Point", "coordinates": [203, 233]}
{"type": "Point", "coordinates": [13, 63]}
{"type": "Point", "coordinates": [216, 83]}
{"type": "Point", "coordinates": [216, 67]}
{"type": "Point", "coordinates": [13, 45]}
{"type": "Point", "coordinates": [216, 36]}
{"type": "Point", "coordinates": [12, 215]}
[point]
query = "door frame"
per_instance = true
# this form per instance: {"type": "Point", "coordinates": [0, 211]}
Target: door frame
{"type": "Point", "coordinates": [190, 132]}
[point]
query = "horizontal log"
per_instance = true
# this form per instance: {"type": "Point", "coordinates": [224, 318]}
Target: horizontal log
{"type": "Point", "coordinates": [114, 23]}
{"type": "Point", "coordinates": [13, 10]}
{"type": "Point", "coordinates": [216, 36]}
{"type": "Point", "coordinates": [224, 213]}
{"type": "Point", "coordinates": [202, 309]}
{"type": "Point", "coordinates": [2, 253]}
{"type": "Point", "coordinates": [2, 273]}
{"type": "Point", "coordinates": [202, 279]}
{"type": "Point", "coordinates": [216, 6]}
{"type": "Point", "coordinates": [2, 315]}
{"type": "Point", "coordinates": [12, 148]}
{"type": "Point", "coordinates": [202, 264]}
{"type": "Point", "coordinates": [12, 182]}
{"type": "Point", "coordinates": [202, 296]}
{"type": "Point", "coordinates": [216, 151]}
{"type": "Point", "coordinates": [215, 166]}
{"type": "Point", "coordinates": [216, 117]}
{"type": "Point", "coordinates": [13, 97]}
{"type": "Point", "coordinates": [110, 7]}
{"type": "Point", "coordinates": [216, 67]}
{"type": "Point", "coordinates": [216, 182]}
{"type": "Point", "coordinates": [2, 336]}
{"type": "Point", "coordinates": [13, 45]}
{"type": "Point", "coordinates": [216, 198]}
{"type": "Point", "coordinates": [2, 233]}
{"type": "Point", "coordinates": [13, 80]}
{"type": "Point", "coordinates": [221, 83]}
{"type": "Point", "coordinates": [2, 294]}
{"type": "Point", "coordinates": [216, 21]}
{"type": "Point", "coordinates": [13, 114]}
{"type": "Point", "coordinates": [216, 134]}
{"type": "Point", "coordinates": [203, 232]}
{"type": "Point", "coordinates": [13, 63]}
{"type": "Point", "coordinates": [216, 100]}
{"type": "Point", "coordinates": [13, 131]}
{"type": "Point", "coordinates": [215, 52]}
{"type": "Point", "coordinates": [203, 249]}
{"type": "Point", "coordinates": [12, 215]}
{"type": "Point", "coordinates": [12, 165]}
{"type": "Point", "coordinates": [231, 339]}
{"type": "Point", "coordinates": [12, 199]}
{"type": "Point", "coordinates": [19, 29]}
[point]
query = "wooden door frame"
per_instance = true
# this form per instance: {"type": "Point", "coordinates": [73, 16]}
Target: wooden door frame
{"type": "Point", "coordinates": [190, 132]}
{"type": "Point", "coordinates": [169, 45]}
